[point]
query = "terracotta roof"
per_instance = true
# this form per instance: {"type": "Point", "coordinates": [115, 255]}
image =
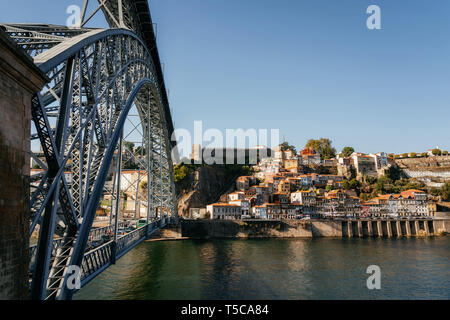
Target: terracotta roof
{"type": "Point", "coordinates": [224, 205]}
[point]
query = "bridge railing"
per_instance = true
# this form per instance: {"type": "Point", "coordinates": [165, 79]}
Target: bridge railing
{"type": "Point", "coordinates": [98, 259]}
{"type": "Point", "coordinates": [94, 235]}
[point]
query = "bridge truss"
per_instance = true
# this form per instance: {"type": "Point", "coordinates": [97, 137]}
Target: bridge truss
{"type": "Point", "coordinates": [99, 80]}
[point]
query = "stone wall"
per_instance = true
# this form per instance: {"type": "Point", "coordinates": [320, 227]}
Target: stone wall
{"type": "Point", "coordinates": [208, 229]}
{"type": "Point", "coordinates": [18, 79]}
{"type": "Point", "coordinates": [434, 171]}
{"type": "Point", "coordinates": [237, 229]}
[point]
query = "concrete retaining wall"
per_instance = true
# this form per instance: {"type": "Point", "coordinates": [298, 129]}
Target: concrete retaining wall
{"type": "Point", "coordinates": [209, 229]}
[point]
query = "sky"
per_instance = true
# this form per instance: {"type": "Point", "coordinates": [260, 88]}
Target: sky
{"type": "Point", "coordinates": [310, 68]}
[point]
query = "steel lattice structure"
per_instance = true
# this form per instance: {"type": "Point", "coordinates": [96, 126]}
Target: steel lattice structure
{"type": "Point", "coordinates": [96, 77]}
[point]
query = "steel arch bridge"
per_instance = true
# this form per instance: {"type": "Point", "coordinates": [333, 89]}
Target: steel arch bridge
{"type": "Point", "coordinates": [96, 77]}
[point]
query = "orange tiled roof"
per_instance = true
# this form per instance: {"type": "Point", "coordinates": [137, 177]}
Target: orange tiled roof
{"type": "Point", "coordinates": [224, 205]}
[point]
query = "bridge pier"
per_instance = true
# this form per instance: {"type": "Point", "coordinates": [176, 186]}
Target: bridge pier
{"type": "Point", "coordinates": [19, 79]}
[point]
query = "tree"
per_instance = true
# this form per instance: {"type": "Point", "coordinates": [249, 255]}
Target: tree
{"type": "Point", "coordinates": [346, 184]}
{"type": "Point", "coordinates": [346, 152]}
{"type": "Point", "coordinates": [129, 145]}
{"type": "Point", "coordinates": [445, 191]}
{"type": "Point", "coordinates": [445, 152]}
{"type": "Point", "coordinates": [404, 155]}
{"type": "Point", "coordinates": [382, 184]}
{"type": "Point", "coordinates": [364, 196]}
{"type": "Point", "coordinates": [370, 180]}
{"type": "Point", "coordinates": [424, 154]}
{"type": "Point", "coordinates": [436, 152]}
{"type": "Point", "coordinates": [323, 147]}
{"type": "Point", "coordinates": [413, 155]}
{"type": "Point", "coordinates": [354, 184]}
{"type": "Point", "coordinates": [181, 171]}
{"type": "Point", "coordinates": [140, 150]}
{"type": "Point", "coordinates": [286, 146]}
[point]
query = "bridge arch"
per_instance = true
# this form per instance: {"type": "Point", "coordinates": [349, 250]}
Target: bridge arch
{"type": "Point", "coordinates": [95, 79]}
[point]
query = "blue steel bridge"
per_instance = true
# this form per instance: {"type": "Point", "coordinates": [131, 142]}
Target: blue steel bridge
{"type": "Point", "coordinates": [98, 81]}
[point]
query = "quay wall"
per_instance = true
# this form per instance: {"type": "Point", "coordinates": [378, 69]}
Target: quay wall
{"type": "Point", "coordinates": [242, 229]}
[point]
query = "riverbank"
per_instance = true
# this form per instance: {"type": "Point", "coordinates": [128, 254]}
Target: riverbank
{"type": "Point", "coordinates": [242, 229]}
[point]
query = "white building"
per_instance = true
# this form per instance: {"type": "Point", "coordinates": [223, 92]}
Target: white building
{"type": "Point", "coordinates": [224, 211]}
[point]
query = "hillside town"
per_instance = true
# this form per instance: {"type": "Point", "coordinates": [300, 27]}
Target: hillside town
{"type": "Point", "coordinates": [281, 188]}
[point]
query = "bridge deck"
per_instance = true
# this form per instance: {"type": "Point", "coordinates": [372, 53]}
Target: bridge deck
{"type": "Point", "coordinates": [99, 258]}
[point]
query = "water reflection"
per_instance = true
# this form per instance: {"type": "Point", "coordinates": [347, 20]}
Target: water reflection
{"type": "Point", "coordinates": [277, 269]}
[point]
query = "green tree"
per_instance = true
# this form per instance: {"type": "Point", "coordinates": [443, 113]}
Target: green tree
{"type": "Point", "coordinates": [371, 180]}
{"type": "Point", "coordinates": [383, 184]}
{"type": "Point", "coordinates": [286, 146]}
{"type": "Point", "coordinates": [346, 184]}
{"type": "Point", "coordinates": [404, 155]}
{"type": "Point", "coordinates": [424, 154]}
{"type": "Point", "coordinates": [129, 145]}
{"type": "Point", "coordinates": [347, 151]}
{"type": "Point", "coordinates": [445, 152]}
{"type": "Point", "coordinates": [436, 152]}
{"type": "Point", "coordinates": [413, 155]}
{"type": "Point", "coordinates": [445, 191]}
{"type": "Point", "coordinates": [181, 171]}
{"type": "Point", "coordinates": [364, 196]}
{"type": "Point", "coordinates": [140, 150]}
{"type": "Point", "coordinates": [323, 147]}
{"type": "Point", "coordinates": [354, 184]}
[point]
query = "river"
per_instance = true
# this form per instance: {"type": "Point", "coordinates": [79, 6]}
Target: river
{"type": "Point", "coordinates": [323, 268]}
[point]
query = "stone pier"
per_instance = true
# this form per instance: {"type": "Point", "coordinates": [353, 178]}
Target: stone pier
{"type": "Point", "coordinates": [408, 228]}
{"type": "Point", "coordinates": [369, 228]}
{"type": "Point", "coordinates": [399, 228]}
{"type": "Point", "coordinates": [19, 79]}
{"type": "Point", "coordinates": [360, 229]}
{"type": "Point", "coordinates": [417, 227]}
{"type": "Point", "coordinates": [427, 229]}
{"type": "Point", "coordinates": [389, 228]}
{"type": "Point", "coordinates": [350, 228]}
{"type": "Point", "coordinates": [380, 228]}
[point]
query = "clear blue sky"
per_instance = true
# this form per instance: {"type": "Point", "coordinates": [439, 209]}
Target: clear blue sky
{"type": "Point", "coordinates": [308, 67]}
